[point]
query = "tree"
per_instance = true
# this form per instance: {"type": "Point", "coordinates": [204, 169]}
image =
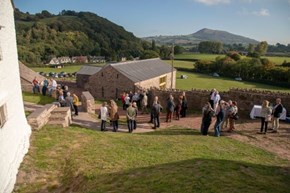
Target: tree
{"type": "Point", "coordinates": [251, 48]}
{"type": "Point", "coordinates": [178, 49]}
{"type": "Point", "coordinates": [210, 47]}
{"type": "Point", "coordinates": [153, 45]}
{"type": "Point", "coordinates": [262, 48]}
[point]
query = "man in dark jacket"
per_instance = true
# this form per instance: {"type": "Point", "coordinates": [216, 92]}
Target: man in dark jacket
{"type": "Point", "coordinates": [277, 111]}
{"type": "Point", "coordinates": [155, 111]}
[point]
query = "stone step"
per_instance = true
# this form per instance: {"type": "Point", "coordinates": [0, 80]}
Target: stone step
{"type": "Point", "coordinates": [58, 123]}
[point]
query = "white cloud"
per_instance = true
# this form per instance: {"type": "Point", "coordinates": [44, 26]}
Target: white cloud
{"type": "Point", "coordinates": [262, 12]}
{"type": "Point", "coordinates": [213, 2]}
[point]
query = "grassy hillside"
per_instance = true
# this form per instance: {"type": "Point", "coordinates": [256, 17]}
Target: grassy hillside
{"type": "Point", "coordinates": [172, 160]}
{"type": "Point", "coordinates": [44, 35]}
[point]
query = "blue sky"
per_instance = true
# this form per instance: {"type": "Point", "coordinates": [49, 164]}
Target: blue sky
{"type": "Point", "coordinates": [267, 20]}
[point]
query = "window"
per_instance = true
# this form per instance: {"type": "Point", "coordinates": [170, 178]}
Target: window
{"type": "Point", "coordinates": [102, 74]}
{"type": "Point", "coordinates": [162, 82]}
{"type": "Point", "coordinates": [117, 76]}
{"type": "Point", "coordinates": [3, 115]}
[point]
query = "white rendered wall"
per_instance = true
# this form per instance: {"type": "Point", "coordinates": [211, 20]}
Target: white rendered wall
{"type": "Point", "coordinates": [14, 136]}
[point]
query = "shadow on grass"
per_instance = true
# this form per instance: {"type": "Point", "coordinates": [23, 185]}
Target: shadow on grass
{"type": "Point", "coordinates": [194, 175]}
{"type": "Point", "coordinates": [173, 131]}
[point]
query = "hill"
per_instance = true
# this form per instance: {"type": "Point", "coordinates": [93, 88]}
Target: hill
{"type": "Point", "coordinates": [202, 35]}
{"type": "Point", "coordinates": [44, 35]}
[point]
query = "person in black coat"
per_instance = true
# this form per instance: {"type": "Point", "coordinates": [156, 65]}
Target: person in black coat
{"type": "Point", "coordinates": [207, 114]}
{"type": "Point", "coordinates": [277, 111]}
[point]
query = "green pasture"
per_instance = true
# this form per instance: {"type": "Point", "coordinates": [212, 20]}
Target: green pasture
{"type": "Point", "coordinates": [202, 81]}
{"type": "Point", "coordinates": [277, 60]}
{"type": "Point", "coordinates": [36, 98]}
{"type": "Point", "coordinates": [173, 160]}
{"type": "Point", "coordinates": [198, 56]}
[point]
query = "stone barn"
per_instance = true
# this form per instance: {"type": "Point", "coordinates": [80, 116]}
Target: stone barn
{"type": "Point", "coordinates": [14, 129]}
{"type": "Point", "coordinates": [83, 75]}
{"type": "Point", "coordinates": [113, 79]}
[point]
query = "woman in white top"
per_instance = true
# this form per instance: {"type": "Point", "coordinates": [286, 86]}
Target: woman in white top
{"type": "Point", "coordinates": [265, 115]}
{"type": "Point", "coordinates": [104, 115]}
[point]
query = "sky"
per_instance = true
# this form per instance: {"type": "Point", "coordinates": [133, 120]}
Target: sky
{"type": "Point", "coordinates": [262, 20]}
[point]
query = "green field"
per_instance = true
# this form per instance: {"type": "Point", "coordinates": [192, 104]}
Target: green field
{"type": "Point", "coordinates": [198, 56]}
{"type": "Point", "coordinates": [212, 57]}
{"type": "Point", "coordinates": [172, 160]}
{"type": "Point", "coordinates": [202, 81]}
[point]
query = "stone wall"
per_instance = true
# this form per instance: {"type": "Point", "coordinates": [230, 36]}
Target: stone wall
{"type": "Point", "coordinates": [245, 98]}
{"type": "Point", "coordinates": [88, 102]}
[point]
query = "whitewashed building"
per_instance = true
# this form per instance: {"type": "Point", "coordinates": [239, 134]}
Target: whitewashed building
{"type": "Point", "coordinates": [14, 130]}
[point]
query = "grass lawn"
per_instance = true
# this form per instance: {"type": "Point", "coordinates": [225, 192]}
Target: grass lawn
{"type": "Point", "coordinates": [201, 81]}
{"type": "Point", "coordinates": [37, 98]}
{"type": "Point", "coordinates": [277, 60]}
{"type": "Point", "coordinates": [68, 69]}
{"type": "Point", "coordinates": [198, 56]}
{"type": "Point", "coordinates": [181, 64]}
{"type": "Point", "coordinates": [172, 160]}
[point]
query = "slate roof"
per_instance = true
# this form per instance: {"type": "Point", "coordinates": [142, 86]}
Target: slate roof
{"type": "Point", "coordinates": [89, 70]}
{"type": "Point", "coordinates": [141, 70]}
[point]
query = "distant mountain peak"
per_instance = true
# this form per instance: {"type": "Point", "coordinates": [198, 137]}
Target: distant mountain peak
{"type": "Point", "coordinates": [204, 34]}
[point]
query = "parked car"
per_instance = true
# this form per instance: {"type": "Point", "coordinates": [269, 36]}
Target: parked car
{"type": "Point", "coordinates": [238, 79]}
{"type": "Point", "coordinates": [215, 74]}
{"type": "Point", "coordinates": [183, 76]}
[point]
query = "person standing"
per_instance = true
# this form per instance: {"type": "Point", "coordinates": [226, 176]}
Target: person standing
{"type": "Point", "coordinates": [207, 114]}
{"type": "Point", "coordinates": [155, 111]}
{"type": "Point", "coordinates": [233, 112]}
{"type": "Point", "coordinates": [226, 120]}
{"type": "Point", "coordinates": [216, 100]}
{"type": "Point", "coordinates": [76, 103]}
{"type": "Point", "coordinates": [170, 108]}
{"type": "Point", "coordinates": [127, 101]}
{"type": "Point", "coordinates": [183, 105]}
{"type": "Point", "coordinates": [131, 115]}
{"type": "Point", "coordinates": [114, 116]}
{"type": "Point", "coordinates": [277, 111]}
{"type": "Point", "coordinates": [219, 119]}
{"type": "Point", "coordinates": [265, 115]}
{"type": "Point", "coordinates": [135, 106]}
{"type": "Point", "coordinates": [144, 103]}
{"type": "Point", "coordinates": [69, 102]}
{"type": "Point", "coordinates": [104, 115]}
{"type": "Point", "coordinates": [211, 97]}
{"type": "Point", "coordinates": [123, 100]}
{"type": "Point", "coordinates": [45, 84]}
{"type": "Point", "coordinates": [178, 108]}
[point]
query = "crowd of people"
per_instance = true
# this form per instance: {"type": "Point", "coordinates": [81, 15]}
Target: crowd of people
{"type": "Point", "coordinates": [225, 113]}
{"type": "Point", "coordinates": [64, 98]}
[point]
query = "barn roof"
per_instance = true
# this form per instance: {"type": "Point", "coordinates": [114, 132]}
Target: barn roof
{"type": "Point", "coordinates": [89, 70]}
{"type": "Point", "coordinates": [141, 70]}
